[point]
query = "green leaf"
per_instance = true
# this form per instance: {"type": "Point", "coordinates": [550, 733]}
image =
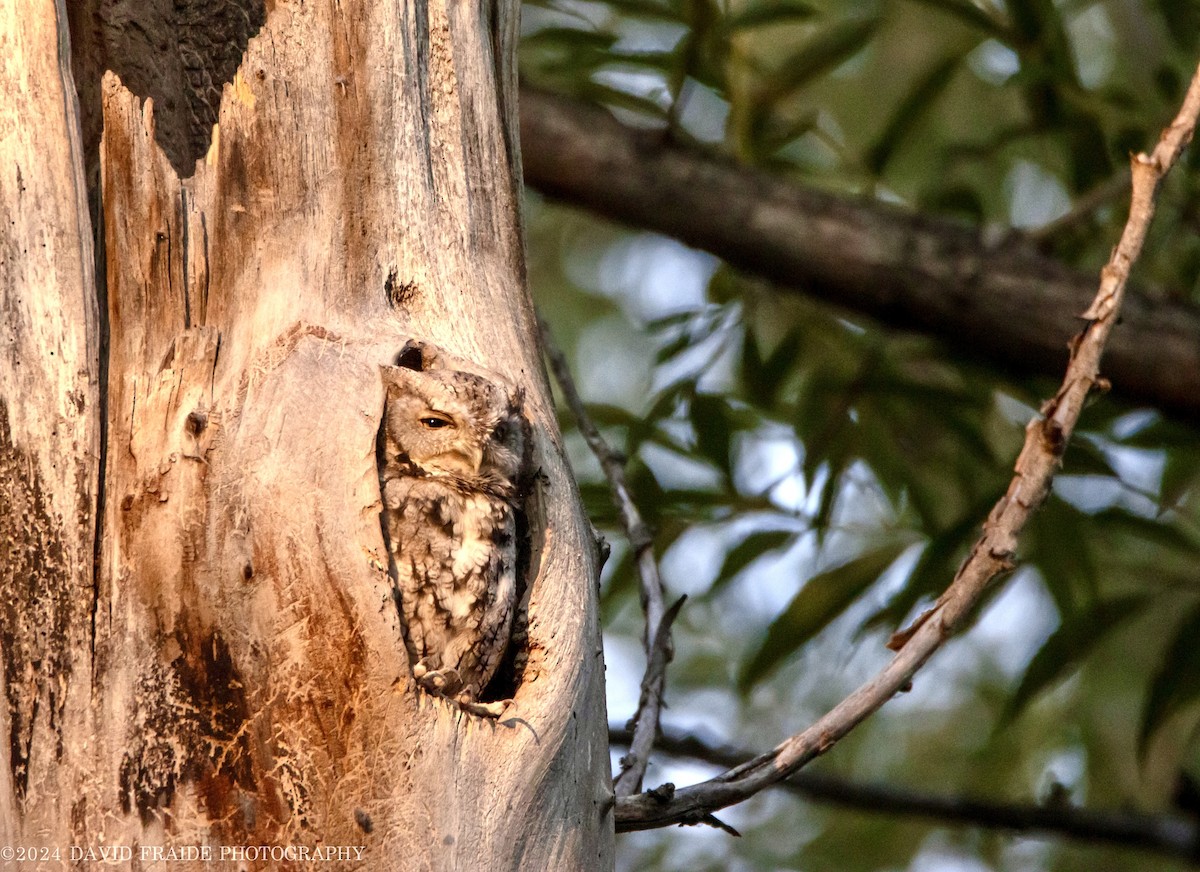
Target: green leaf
{"type": "Point", "coordinates": [764, 377]}
{"type": "Point", "coordinates": [1162, 433]}
{"type": "Point", "coordinates": [675, 319]}
{"type": "Point", "coordinates": [668, 400]}
{"type": "Point", "coordinates": [673, 348]}
{"type": "Point", "coordinates": [725, 288]}
{"type": "Point", "coordinates": [1160, 533]}
{"type": "Point", "coordinates": [1177, 682]}
{"type": "Point", "coordinates": [955, 199]}
{"type": "Point", "coordinates": [772, 132]}
{"type": "Point", "coordinates": [648, 9]}
{"type": "Point", "coordinates": [569, 37]}
{"type": "Point", "coordinates": [973, 16]}
{"type": "Point", "coordinates": [712, 421]}
{"type": "Point", "coordinates": [601, 93]}
{"type": "Point", "coordinates": [705, 46]}
{"type": "Point", "coordinates": [824, 52]}
{"type": "Point", "coordinates": [1180, 476]}
{"type": "Point", "coordinates": [1069, 645]}
{"type": "Point", "coordinates": [771, 12]}
{"type": "Point", "coordinates": [1090, 164]}
{"type": "Point", "coordinates": [822, 422]}
{"type": "Point", "coordinates": [822, 598]}
{"type": "Point", "coordinates": [1183, 22]}
{"type": "Point", "coordinates": [566, 52]}
{"type": "Point", "coordinates": [752, 369]}
{"type": "Point", "coordinates": [910, 111]}
{"type": "Point", "coordinates": [748, 550]}
{"type": "Point", "coordinates": [1043, 27]}
{"type": "Point", "coordinates": [597, 502]}
{"type": "Point", "coordinates": [780, 361]}
{"type": "Point", "coordinates": [663, 61]}
{"type": "Point", "coordinates": [837, 462]}
{"type": "Point", "coordinates": [688, 329]}
{"type": "Point", "coordinates": [1085, 458]}
{"type": "Point", "coordinates": [622, 582]}
{"type": "Point", "coordinates": [937, 564]}
{"type": "Point", "coordinates": [607, 415]}
{"type": "Point", "coordinates": [1058, 541]}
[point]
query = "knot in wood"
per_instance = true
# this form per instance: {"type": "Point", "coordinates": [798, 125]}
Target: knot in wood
{"type": "Point", "coordinates": [664, 793]}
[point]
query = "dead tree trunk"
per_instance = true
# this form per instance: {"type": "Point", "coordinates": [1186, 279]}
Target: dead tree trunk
{"type": "Point", "coordinates": [49, 438]}
{"type": "Point", "coordinates": [229, 669]}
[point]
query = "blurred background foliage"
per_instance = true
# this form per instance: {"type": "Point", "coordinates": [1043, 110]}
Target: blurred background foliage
{"type": "Point", "coordinates": [814, 478]}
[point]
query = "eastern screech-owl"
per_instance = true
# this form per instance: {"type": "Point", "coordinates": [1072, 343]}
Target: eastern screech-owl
{"type": "Point", "coordinates": [457, 459]}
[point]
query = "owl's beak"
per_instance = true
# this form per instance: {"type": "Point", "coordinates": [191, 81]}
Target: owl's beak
{"type": "Point", "coordinates": [475, 458]}
{"type": "Point", "coordinates": [466, 460]}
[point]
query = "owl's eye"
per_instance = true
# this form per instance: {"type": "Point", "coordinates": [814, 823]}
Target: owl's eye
{"type": "Point", "coordinates": [435, 422]}
{"type": "Point", "coordinates": [501, 431]}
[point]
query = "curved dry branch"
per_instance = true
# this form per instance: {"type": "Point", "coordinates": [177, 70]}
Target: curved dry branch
{"type": "Point", "coordinates": [1045, 439]}
{"type": "Point", "coordinates": [1170, 835]}
{"type": "Point", "coordinates": [657, 637]}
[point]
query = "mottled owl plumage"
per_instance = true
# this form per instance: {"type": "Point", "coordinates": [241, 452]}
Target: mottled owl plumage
{"type": "Point", "coordinates": [456, 461]}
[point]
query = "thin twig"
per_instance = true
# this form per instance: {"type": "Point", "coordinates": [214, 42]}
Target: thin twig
{"type": "Point", "coordinates": [657, 636]}
{"type": "Point", "coordinates": [1045, 439]}
{"type": "Point", "coordinates": [1172, 835]}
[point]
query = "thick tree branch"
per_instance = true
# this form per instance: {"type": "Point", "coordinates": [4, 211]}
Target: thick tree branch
{"type": "Point", "coordinates": [657, 638]}
{"type": "Point", "coordinates": [1004, 301]}
{"type": "Point", "coordinates": [1045, 440]}
{"type": "Point", "coordinates": [1170, 835]}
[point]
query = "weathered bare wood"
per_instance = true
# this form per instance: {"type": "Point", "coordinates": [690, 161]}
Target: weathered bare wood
{"type": "Point", "coordinates": [49, 430]}
{"type": "Point", "coordinates": [250, 683]}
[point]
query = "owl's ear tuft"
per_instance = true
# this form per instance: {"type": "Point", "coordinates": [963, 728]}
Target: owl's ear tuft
{"type": "Point", "coordinates": [411, 357]}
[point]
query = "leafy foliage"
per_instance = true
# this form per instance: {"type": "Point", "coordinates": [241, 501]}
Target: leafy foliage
{"type": "Point", "coordinates": [822, 598]}
{"type": "Point", "coordinates": [790, 457]}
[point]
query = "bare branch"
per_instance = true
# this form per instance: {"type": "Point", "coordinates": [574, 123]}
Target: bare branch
{"type": "Point", "coordinates": [999, 300]}
{"type": "Point", "coordinates": [1045, 439]}
{"type": "Point", "coordinates": [1175, 836]}
{"type": "Point", "coordinates": [657, 637]}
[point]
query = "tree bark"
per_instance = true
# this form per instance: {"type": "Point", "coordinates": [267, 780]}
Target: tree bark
{"type": "Point", "coordinates": [249, 684]}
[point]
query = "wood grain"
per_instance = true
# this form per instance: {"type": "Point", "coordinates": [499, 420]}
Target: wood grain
{"type": "Point", "coordinates": [250, 682]}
